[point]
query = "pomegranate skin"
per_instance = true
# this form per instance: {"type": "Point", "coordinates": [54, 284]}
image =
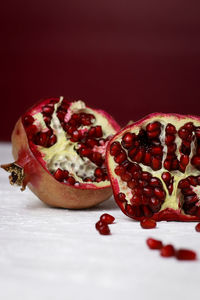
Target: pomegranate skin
{"type": "Point", "coordinates": [127, 192]}
{"type": "Point", "coordinates": [41, 182]}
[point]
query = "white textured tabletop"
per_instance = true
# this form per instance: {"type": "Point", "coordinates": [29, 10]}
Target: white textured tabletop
{"type": "Point", "coordinates": [48, 253]}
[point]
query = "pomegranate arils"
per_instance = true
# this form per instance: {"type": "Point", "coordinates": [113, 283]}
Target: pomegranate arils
{"type": "Point", "coordinates": [121, 197]}
{"type": "Point", "coordinates": [169, 139]}
{"type": "Point", "coordinates": [107, 218]}
{"type": "Point", "coordinates": [104, 229]}
{"type": "Point", "coordinates": [98, 131]}
{"type": "Point", "coordinates": [197, 227]}
{"type": "Point", "coordinates": [115, 148]}
{"type": "Point", "coordinates": [155, 182]}
{"type": "Point", "coordinates": [58, 140]}
{"type": "Point", "coordinates": [27, 120]}
{"type": "Point", "coordinates": [184, 183]}
{"type": "Point", "coordinates": [58, 175]}
{"type": "Point", "coordinates": [156, 163]}
{"type": "Point", "coordinates": [192, 180]}
{"type": "Point", "coordinates": [126, 177]}
{"type": "Point", "coordinates": [148, 223]}
{"type": "Point", "coordinates": [154, 244]}
{"type": "Point", "coordinates": [196, 161]}
{"type": "Point", "coordinates": [166, 176]}
{"type": "Point", "coordinates": [71, 180]}
{"type": "Point", "coordinates": [170, 129]}
{"type": "Point", "coordinates": [167, 251]}
{"type": "Point", "coordinates": [127, 140]}
{"type": "Point", "coordinates": [98, 172]}
{"type": "Point", "coordinates": [99, 224]}
{"type": "Point", "coordinates": [185, 254]}
{"type": "Point", "coordinates": [102, 224]}
{"type": "Point", "coordinates": [48, 109]}
{"type": "Point", "coordinates": [169, 153]}
{"type": "Point", "coordinates": [119, 158]}
{"type": "Point", "coordinates": [153, 126]}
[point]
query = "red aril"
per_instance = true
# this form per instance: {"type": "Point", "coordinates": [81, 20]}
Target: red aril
{"type": "Point", "coordinates": [104, 229]}
{"type": "Point", "coordinates": [197, 227]}
{"type": "Point", "coordinates": [59, 150]}
{"type": "Point", "coordinates": [167, 251]}
{"type": "Point", "coordinates": [154, 244]}
{"type": "Point", "coordinates": [154, 168]}
{"type": "Point", "coordinates": [107, 219]}
{"type": "Point", "coordinates": [148, 223]}
{"type": "Point", "coordinates": [99, 224]}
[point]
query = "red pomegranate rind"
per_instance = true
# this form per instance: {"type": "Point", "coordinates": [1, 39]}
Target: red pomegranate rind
{"type": "Point", "coordinates": [107, 218]}
{"type": "Point", "coordinates": [148, 223]}
{"type": "Point", "coordinates": [185, 254]}
{"type": "Point", "coordinates": [167, 251]}
{"type": "Point", "coordinates": [154, 168]}
{"type": "Point", "coordinates": [154, 244]}
{"type": "Point", "coordinates": [37, 138]}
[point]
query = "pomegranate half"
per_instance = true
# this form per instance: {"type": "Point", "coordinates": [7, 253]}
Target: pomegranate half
{"type": "Point", "coordinates": [59, 150]}
{"type": "Point", "coordinates": [154, 167]}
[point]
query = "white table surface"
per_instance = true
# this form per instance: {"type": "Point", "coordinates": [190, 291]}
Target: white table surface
{"type": "Point", "coordinates": [48, 253]}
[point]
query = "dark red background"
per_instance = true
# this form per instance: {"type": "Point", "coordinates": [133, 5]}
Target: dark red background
{"type": "Point", "coordinates": [129, 58]}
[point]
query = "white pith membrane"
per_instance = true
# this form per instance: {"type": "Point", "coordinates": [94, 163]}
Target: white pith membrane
{"type": "Point", "coordinates": [63, 154]}
{"type": "Point", "coordinates": [175, 200]}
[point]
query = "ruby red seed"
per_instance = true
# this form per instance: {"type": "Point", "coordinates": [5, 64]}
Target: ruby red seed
{"type": "Point", "coordinates": [197, 227]}
{"type": "Point", "coordinates": [148, 223]}
{"type": "Point", "coordinates": [185, 254]}
{"type": "Point", "coordinates": [99, 224]}
{"type": "Point", "coordinates": [107, 218]}
{"type": "Point", "coordinates": [58, 175]}
{"type": "Point", "coordinates": [154, 244]}
{"type": "Point", "coordinates": [167, 251]}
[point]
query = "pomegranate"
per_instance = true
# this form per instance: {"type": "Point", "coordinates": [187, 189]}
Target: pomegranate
{"type": "Point", "coordinates": [59, 151]}
{"type": "Point", "coordinates": [154, 168]}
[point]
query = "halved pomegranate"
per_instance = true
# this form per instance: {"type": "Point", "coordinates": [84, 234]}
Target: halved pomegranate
{"type": "Point", "coordinates": [154, 168]}
{"type": "Point", "coordinates": [59, 148]}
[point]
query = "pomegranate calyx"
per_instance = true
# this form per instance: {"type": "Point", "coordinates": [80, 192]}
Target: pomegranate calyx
{"type": "Point", "coordinates": [17, 174]}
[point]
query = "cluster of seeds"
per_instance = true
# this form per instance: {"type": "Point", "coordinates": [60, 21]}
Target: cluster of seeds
{"type": "Point", "coordinates": [191, 201]}
{"type": "Point", "coordinates": [102, 224]}
{"type": "Point", "coordinates": [88, 139]}
{"type": "Point", "coordinates": [170, 251]}
{"type": "Point", "coordinates": [64, 176]}
{"type": "Point", "coordinates": [148, 192]}
{"type": "Point", "coordinates": [45, 138]}
{"type": "Point", "coordinates": [155, 147]}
